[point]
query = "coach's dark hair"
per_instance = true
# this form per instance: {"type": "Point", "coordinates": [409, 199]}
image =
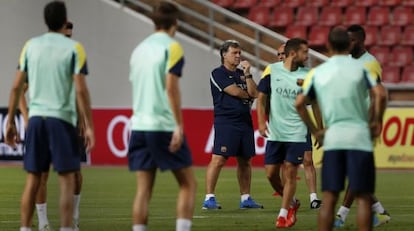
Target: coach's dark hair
{"type": "Point", "coordinates": [55, 15]}
{"type": "Point", "coordinates": [165, 15]}
{"type": "Point", "coordinates": [294, 45]}
{"type": "Point", "coordinates": [225, 47]}
{"type": "Point", "coordinates": [339, 39]}
{"type": "Point", "coordinates": [358, 30]}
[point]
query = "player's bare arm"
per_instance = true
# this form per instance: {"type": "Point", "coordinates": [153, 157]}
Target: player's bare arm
{"type": "Point", "coordinates": [300, 104]}
{"type": "Point", "coordinates": [12, 137]}
{"type": "Point", "coordinates": [379, 104]}
{"type": "Point", "coordinates": [84, 104]}
{"type": "Point", "coordinates": [174, 97]}
{"type": "Point", "coordinates": [261, 113]}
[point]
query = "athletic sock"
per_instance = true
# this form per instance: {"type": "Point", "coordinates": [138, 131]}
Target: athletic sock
{"type": "Point", "coordinates": [41, 210]}
{"type": "Point", "coordinates": [244, 197]}
{"type": "Point", "coordinates": [343, 212]}
{"type": "Point", "coordinates": [377, 207]}
{"type": "Point", "coordinates": [208, 196]}
{"type": "Point", "coordinates": [139, 228]}
{"type": "Point", "coordinates": [283, 213]}
{"type": "Point", "coordinates": [313, 197]}
{"type": "Point", "coordinates": [183, 224]}
{"type": "Point", "coordinates": [76, 203]}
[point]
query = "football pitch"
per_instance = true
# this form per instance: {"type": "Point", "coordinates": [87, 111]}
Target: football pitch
{"type": "Point", "coordinates": [108, 192]}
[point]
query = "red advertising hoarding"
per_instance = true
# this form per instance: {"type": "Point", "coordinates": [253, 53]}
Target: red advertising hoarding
{"type": "Point", "coordinates": [112, 133]}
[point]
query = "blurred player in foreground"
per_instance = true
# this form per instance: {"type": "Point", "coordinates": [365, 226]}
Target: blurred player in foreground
{"type": "Point", "coordinates": [341, 85]}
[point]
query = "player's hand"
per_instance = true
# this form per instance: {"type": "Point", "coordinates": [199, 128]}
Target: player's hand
{"type": "Point", "coordinates": [11, 137]}
{"type": "Point", "coordinates": [263, 130]}
{"type": "Point", "coordinates": [176, 140]}
{"type": "Point", "coordinates": [89, 138]}
{"type": "Point", "coordinates": [376, 128]}
{"type": "Point", "coordinates": [245, 65]}
{"type": "Point", "coordinates": [319, 136]}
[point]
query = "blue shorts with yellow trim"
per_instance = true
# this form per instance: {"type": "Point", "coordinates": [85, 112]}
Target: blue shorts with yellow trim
{"type": "Point", "coordinates": [148, 150]}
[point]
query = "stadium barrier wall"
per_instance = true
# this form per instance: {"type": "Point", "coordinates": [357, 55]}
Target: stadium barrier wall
{"type": "Point", "coordinates": [394, 149]}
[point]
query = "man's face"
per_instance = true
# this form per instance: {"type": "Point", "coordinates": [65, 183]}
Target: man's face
{"type": "Point", "coordinates": [232, 56]}
{"type": "Point", "coordinates": [281, 53]}
{"type": "Point", "coordinates": [301, 55]}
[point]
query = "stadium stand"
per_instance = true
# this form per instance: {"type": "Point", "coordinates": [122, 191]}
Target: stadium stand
{"type": "Point", "coordinates": [378, 16]}
{"type": "Point", "coordinates": [367, 3]}
{"type": "Point", "coordinates": [281, 17]}
{"type": "Point", "coordinates": [270, 3]}
{"type": "Point", "coordinates": [317, 35]}
{"type": "Point", "coordinates": [389, 2]}
{"type": "Point", "coordinates": [408, 74]}
{"type": "Point", "coordinates": [294, 3]}
{"type": "Point", "coordinates": [295, 31]}
{"type": "Point", "coordinates": [244, 4]}
{"type": "Point", "coordinates": [402, 16]}
{"type": "Point", "coordinates": [330, 16]}
{"type": "Point", "coordinates": [382, 53]}
{"type": "Point", "coordinates": [342, 3]}
{"type": "Point", "coordinates": [259, 14]}
{"type": "Point", "coordinates": [391, 74]}
{"type": "Point", "coordinates": [307, 15]}
{"type": "Point", "coordinates": [390, 35]}
{"type": "Point", "coordinates": [318, 3]}
{"type": "Point", "coordinates": [371, 35]}
{"type": "Point", "coordinates": [401, 56]}
{"type": "Point", "coordinates": [408, 36]}
{"type": "Point", "coordinates": [355, 15]}
{"type": "Point", "coordinates": [224, 3]}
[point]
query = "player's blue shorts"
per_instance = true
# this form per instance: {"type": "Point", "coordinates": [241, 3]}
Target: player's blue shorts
{"type": "Point", "coordinates": [234, 140]}
{"type": "Point", "coordinates": [277, 152]}
{"type": "Point", "coordinates": [51, 140]}
{"type": "Point", "coordinates": [148, 150]}
{"type": "Point", "coordinates": [359, 166]}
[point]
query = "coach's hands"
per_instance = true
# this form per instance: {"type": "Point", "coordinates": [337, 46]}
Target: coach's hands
{"type": "Point", "coordinates": [177, 139]}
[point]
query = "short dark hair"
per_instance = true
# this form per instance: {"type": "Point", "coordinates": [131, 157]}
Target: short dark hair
{"type": "Point", "coordinates": [294, 45]}
{"type": "Point", "coordinates": [165, 15]}
{"type": "Point", "coordinates": [225, 47]}
{"type": "Point", "coordinates": [357, 29]}
{"type": "Point", "coordinates": [55, 15]}
{"type": "Point", "coordinates": [339, 39]}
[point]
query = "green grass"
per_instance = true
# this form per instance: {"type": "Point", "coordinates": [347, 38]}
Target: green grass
{"type": "Point", "coordinates": [108, 193]}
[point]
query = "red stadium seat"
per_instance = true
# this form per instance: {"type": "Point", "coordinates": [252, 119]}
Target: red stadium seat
{"type": "Point", "coordinates": [371, 35]}
{"type": "Point", "coordinates": [342, 3]}
{"type": "Point", "coordinates": [367, 3]}
{"type": "Point", "coordinates": [293, 3]}
{"type": "Point", "coordinates": [389, 2]}
{"type": "Point", "coordinates": [378, 16]}
{"type": "Point", "coordinates": [244, 4]}
{"type": "Point", "coordinates": [318, 3]}
{"type": "Point", "coordinates": [408, 74]}
{"type": "Point", "coordinates": [401, 56]}
{"type": "Point", "coordinates": [318, 35]}
{"type": "Point", "coordinates": [407, 3]}
{"type": "Point", "coordinates": [307, 15]}
{"type": "Point", "coordinates": [390, 35]}
{"type": "Point", "coordinates": [330, 16]}
{"type": "Point", "coordinates": [391, 74]}
{"type": "Point", "coordinates": [408, 36]}
{"type": "Point", "coordinates": [224, 3]}
{"type": "Point", "coordinates": [269, 3]}
{"type": "Point", "coordinates": [381, 53]}
{"type": "Point", "coordinates": [402, 16]}
{"type": "Point", "coordinates": [259, 15]}
{"type": "Point", "coordinates": [296, 31]}
{"type": "Point", "coordinates": [355, 15]}
{"type": "Point", "coordinates": [281, 17]}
